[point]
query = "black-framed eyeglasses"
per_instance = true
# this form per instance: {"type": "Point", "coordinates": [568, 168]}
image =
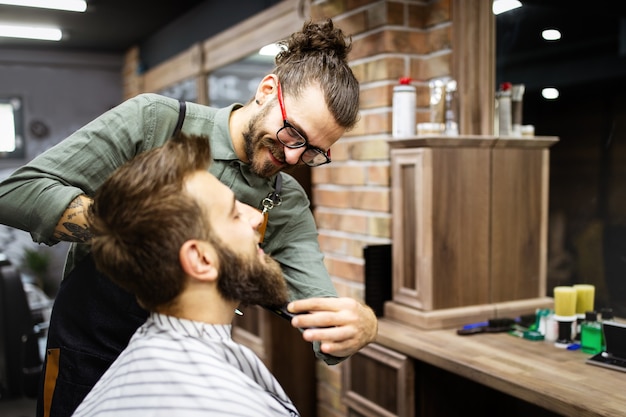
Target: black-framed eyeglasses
{"type": "Point", "coordinates": [289, 136]}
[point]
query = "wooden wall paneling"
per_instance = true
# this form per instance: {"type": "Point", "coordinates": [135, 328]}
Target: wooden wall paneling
{"type": "Point", "coordinates": [283, 350]}
{"type": "Point", "coordinates": [241, 40]}
{"type": "Point", "coordinates": [293, 362]}
{"type": "Point", "coordinates": [443, 224]}
{"type": "Point", "coordinates": [184, 65]}
{"type": "Point", "coordinates": [251, 331]}
{"type": "Point", "coordinates": [460, 199]}
{"type": "Point", "coordinates": [473, 64]}
{"type": "Point", "coordinates": [412, 260]}
{"type": "Point", "coordinates": [519, 222]}
{"type": "Point", "coordinates": [379, 382]}
{"type": "Point", "coordinates": [202, 89]}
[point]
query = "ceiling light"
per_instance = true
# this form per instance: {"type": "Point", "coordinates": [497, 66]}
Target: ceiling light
{"type": "Point", "coordinates": [550, 93]}
{"type": "Point", "coordinates": [69, 5]}
{"type": "Point", "coordinates": [551, 35]}
{"type": "Point", "coordinates": [501, 6]}
{"type": "Point", "coordinates": [31, 32]}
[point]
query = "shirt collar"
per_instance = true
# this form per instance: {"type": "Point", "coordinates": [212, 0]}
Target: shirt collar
{"type": "Point", "coordinates": [190, 327]}
{"type": "Point", "coordinates": [223, 149]}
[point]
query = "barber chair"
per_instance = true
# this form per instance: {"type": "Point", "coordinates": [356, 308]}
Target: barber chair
{"type": "Point", "coordinates": [20, 359]}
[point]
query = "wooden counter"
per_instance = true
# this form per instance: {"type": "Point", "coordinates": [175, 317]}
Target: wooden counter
{"type": "Point", "coordinates": [534, 371]}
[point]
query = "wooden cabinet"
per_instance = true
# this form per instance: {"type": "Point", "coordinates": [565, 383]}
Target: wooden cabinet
{"type": "Point", "coordinates": [469, 228]}
{"type": "Point", "coordinates": [379, 382]}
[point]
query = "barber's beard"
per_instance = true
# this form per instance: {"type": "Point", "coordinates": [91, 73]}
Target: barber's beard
{"type": "Point", "coordinates": [250, 281]}
{"type": "Point", "coordinates": [256, 145]}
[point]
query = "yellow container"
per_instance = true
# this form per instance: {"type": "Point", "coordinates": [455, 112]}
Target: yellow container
{"type": "Point", "coordinates": [585, 295]}
{"type": "Point", "coordinates": [564, 301]}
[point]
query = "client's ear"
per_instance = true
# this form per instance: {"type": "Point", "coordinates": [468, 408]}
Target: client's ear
{"type": "Point", "coordinates": [198, 260]}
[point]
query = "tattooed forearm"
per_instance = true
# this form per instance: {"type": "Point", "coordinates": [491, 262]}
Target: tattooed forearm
{"type": "Point", "coordinates": [80, 234]}
{"type": "Point", "coordinates": [73, 227]}
{"type": "Point", "coordinates": [76, 203]}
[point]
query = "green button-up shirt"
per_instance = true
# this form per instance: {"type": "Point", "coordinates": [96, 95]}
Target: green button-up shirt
{"type": "Point", "coordinates": [35, 196]}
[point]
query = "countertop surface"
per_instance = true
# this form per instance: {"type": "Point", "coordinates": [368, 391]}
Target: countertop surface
{"type": "Point", "coordinates": [554, 378]}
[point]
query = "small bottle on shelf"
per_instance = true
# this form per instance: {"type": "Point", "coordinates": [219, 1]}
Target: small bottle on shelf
{"type": "Point", "coordinates": [505, 126]}
{"type": "Point", "coordinates": [403, 109]}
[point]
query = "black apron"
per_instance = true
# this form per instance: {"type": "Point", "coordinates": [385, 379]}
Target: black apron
{"type": "Point", "coordinates": [91, 323]}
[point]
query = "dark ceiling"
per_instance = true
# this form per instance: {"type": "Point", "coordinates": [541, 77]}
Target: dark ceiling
{"type": "Point", "coordinates": [110, 26]}
{"type": "Point", "coordinates": [592, 48]}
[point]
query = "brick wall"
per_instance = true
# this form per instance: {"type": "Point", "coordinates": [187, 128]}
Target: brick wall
{"type": "Point", "coordinates": [391, 39]}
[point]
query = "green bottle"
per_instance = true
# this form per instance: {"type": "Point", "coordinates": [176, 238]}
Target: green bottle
{"type": "Point", "coordinates": [591, 334]}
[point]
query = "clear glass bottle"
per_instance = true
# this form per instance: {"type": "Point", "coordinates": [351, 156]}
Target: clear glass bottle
{"type": "Point", "coordinates": [591, 334]}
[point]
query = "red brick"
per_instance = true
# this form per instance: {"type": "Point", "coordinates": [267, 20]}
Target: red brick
{"type": "Point", "coordinates": [332, 198]}
{"type": "Point", "coordinates": [380, 68]}
{"type": "Point", "coordinates": [345, 268]}
{"type": "Point", "coordinates": [341, 221]}
{"type": "Point", "coordinates": [341, 245]}
{"type": "Point", "coordinates": [432, 67]}
{"type": "Point", "coordinates": [340, 150]}
{"type": "Point", "coordinates": [329, 8]}
{"type": "Point", "coordinates": [396, 13]}
{"type": "Point", "coordinates": [353, 24]}
{"type": "Point", "coordinates": [379, 226]}
{"type": "Point", "coordinates": [379, 175]}
{"type": "Point", "coordinates": [368, 150]}
{"type": "Point", "coordinates": [338, 174]}
{"type": "Point", "coordinates": [378, 96]}
{"type": "Point", "coordinates": [346, 288]}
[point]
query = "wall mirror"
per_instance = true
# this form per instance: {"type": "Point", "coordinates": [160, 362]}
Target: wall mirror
{"type": "Point", "coordinates": [237, 82]}
{"type": "Point", "coordinates": [587, 65]}
{"type": "Point", "coordinates": [11, 128]}
{"type": "Point", "coordinates": [184, 90]}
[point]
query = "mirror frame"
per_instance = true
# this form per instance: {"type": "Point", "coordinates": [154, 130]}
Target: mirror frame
{"type": "Point", "coordinates": [18, 123]}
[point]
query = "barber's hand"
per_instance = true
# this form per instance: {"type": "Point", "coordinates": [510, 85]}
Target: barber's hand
{"type": "Point", "coordinates": [342, 325]}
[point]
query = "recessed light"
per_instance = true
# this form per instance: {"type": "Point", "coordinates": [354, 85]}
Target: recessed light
{"type": "Point", "coordinates": [550, 93]}
{"type": "Point", "coordinates": [551, 34]}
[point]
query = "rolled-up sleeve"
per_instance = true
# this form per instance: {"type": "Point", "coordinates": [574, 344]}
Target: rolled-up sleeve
{"type": "Point", "coordinates": [35, 196]}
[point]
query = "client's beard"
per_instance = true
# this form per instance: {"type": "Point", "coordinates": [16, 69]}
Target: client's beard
{"type": "Point", "coordinates": [250, 281]}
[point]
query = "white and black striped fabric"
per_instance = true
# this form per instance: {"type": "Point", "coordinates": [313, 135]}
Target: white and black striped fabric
{"type": "Point", "coordinates": [176, 367]}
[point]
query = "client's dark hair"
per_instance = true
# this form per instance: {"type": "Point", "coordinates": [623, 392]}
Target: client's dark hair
{"type": "Point", "coordinates": [141, 216]}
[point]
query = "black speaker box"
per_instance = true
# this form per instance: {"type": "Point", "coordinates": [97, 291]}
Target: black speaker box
{"type": "Point", "coordinates": [378, 276]}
